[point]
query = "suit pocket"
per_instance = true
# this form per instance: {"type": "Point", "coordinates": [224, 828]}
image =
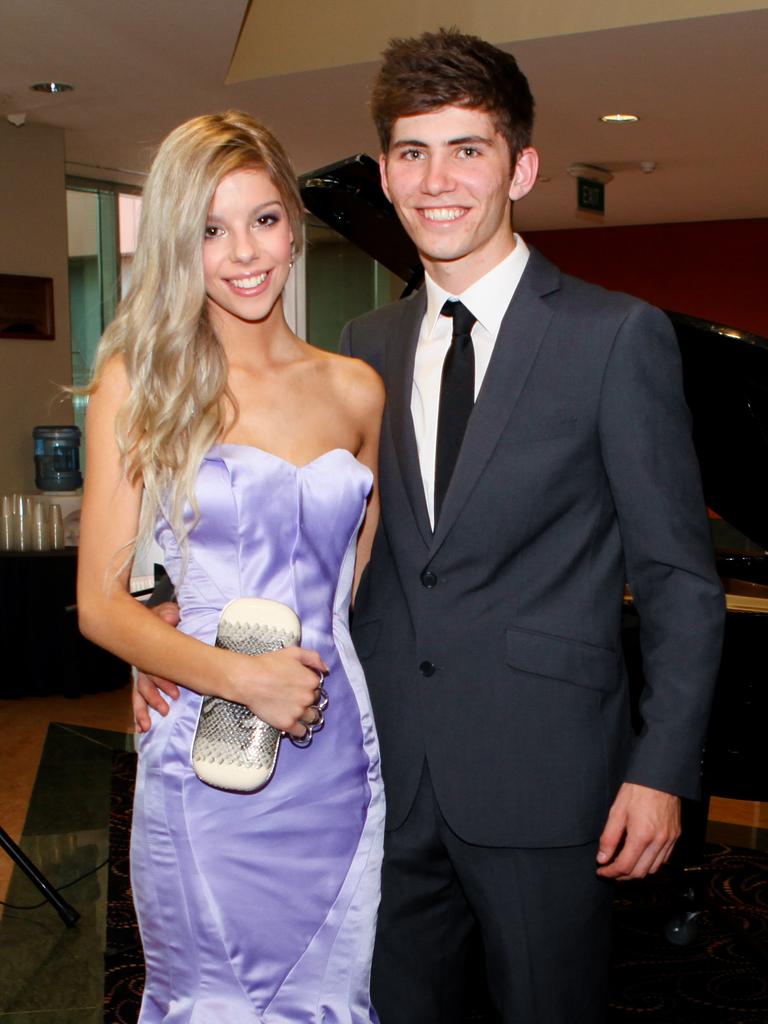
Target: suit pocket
{"type": "Point", "coordinates": [365, 636]}
{"type": "Point", "coordinates": [596, 668]}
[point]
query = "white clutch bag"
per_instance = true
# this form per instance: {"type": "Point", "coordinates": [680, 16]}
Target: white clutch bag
{"type": "Point", "coordinates": [233, 748]}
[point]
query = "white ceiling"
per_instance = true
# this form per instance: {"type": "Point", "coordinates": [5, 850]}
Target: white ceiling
{"type": "Point", "coordinates": [700, 86]}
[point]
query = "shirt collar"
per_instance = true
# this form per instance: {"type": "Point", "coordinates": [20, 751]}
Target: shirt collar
{"type": "Point", "coordinates": [488, 298]}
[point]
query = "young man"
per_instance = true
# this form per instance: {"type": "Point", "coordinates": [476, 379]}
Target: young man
{"type": "Point", "coordinates": [488, 619]}
{"type": "Point", "coordinates": [535, 454]}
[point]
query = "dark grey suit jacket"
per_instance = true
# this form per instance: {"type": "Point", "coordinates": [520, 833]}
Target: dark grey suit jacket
{"type": "Point", "coordinates": [492, 647]}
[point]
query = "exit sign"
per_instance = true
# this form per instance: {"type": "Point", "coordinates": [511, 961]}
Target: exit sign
{"type": "Point", "coordinates": [590, 195]}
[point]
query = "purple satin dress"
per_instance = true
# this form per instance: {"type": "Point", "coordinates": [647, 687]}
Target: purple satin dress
{"type": "Point", "coordinates": [262, 906]}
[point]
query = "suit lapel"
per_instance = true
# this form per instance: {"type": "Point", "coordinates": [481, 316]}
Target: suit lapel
{"type": "Point", "coordinates": [401, 354]}
{"type": "Point", "coordinates": [520, 336]}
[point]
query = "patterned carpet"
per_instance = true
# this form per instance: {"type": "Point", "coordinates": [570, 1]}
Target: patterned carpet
{"type": "Point", "coordinates": [719, 977]}
{"type": "Point", "coordinates": [123, 958]}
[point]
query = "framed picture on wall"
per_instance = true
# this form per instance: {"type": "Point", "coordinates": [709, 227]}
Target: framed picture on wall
{"type": "Point", "coordinates": [26, 307]}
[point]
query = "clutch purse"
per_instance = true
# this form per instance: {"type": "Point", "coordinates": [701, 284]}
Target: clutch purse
{"type": "Point", "coordinates": [233, 748]}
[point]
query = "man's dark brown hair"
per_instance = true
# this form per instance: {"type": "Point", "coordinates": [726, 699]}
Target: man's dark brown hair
{"type": "Point", "coordinates": [448, 68]}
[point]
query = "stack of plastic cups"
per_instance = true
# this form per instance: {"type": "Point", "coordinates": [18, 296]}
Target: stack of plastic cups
{"type": "Point", "coordinates": [22, 523]}
{"type": "Point", "coordinates": [55, 527]}
{"type": "Point", "coordinates": [30, 525]}
{"type": "Point", "coordinates": [6, 524]}
{"type": "Point", "coordinates": [39, 527]}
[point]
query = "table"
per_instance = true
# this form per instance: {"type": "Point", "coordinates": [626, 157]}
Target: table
{"type": "Point", "coordinates": [44, 651]}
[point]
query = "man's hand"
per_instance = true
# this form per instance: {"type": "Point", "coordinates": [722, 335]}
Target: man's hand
{"type": "Point", "coordinates": [147, 693]}
{"type": "Point", "coordinates": [642, 828]}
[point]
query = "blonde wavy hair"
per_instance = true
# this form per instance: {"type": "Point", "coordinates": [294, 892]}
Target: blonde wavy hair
{"type": "Point", "coordinates": [179, 402]}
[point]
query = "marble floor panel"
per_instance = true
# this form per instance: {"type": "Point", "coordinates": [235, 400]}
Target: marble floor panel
{"type": "Point", "coordinates": [24, 726]}
{"type": "Point", "coordinates": [49, 972]}
{"type": "Point", "coordinates": [95, 1015]}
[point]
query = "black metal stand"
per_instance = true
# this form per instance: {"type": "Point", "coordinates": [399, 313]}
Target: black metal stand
{"type": "Point", "coordinates": [67, 913]}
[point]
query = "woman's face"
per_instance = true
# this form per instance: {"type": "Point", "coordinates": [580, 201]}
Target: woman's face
{"type": "Point", "coordinates": [247, 247]}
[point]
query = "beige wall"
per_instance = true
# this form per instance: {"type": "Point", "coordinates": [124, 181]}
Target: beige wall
{"type": "Point", "coordinates": [33, 240]}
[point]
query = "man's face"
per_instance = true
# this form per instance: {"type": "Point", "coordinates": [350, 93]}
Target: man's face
{"type": "Point", "coordinates": [449, 175]}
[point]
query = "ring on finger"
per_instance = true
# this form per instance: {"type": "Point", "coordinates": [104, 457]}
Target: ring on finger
{"type": "Point", "coordinates": [306, 739]}
{"type": "Point", "coordinates": [318, 721]}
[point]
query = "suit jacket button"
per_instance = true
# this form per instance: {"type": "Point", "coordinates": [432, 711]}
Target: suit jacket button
{"type": "Point", "coordinates": [427, 668]}
{"type": "Point", "coordinates": [428, 579]}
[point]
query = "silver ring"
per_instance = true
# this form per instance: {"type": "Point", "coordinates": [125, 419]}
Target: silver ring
{"type": "Point", "coordinates": [305, 740]}
{"type": "Point", "coordinates": [319, 720]}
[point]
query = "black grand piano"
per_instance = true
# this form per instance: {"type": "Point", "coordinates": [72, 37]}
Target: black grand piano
{"type": "Point", "coordinates": [726, 384]}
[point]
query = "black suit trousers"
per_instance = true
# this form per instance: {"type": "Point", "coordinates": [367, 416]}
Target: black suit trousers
{"type": "Point", "coordinates": [543, 914]}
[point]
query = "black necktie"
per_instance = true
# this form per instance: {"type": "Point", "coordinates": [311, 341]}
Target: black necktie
{"type": "Point", "coordinates": [457, 396]}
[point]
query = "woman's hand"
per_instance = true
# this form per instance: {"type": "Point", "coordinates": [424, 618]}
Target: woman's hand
{"type": "Point", "coordinates": [281, 687]}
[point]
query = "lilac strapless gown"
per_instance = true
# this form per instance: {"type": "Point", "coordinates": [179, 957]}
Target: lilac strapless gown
{"type": "Point", "coordinates": [262, 906]}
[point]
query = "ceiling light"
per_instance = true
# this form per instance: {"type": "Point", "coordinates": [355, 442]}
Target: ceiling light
{"type": "Point", "coordinates": [52, 87]}
{"type": "Point", "coordinates": [619, 118]}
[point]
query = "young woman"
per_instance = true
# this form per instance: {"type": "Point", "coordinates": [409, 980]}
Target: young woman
{"type": "Point", "coordinates": [255, 454]}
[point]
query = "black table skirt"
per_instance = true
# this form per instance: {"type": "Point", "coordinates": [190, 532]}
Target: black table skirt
{"type": "Point", "coordinates": [38, 630]}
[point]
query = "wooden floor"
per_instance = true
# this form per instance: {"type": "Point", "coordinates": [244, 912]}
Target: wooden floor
{"type": "Point", "coordinates": [24, 724]}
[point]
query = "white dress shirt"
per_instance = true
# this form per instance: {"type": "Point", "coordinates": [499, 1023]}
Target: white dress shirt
{"type": "Point", "coordinates": [487, 300]}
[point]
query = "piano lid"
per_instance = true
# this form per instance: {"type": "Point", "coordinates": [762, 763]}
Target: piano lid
{"type": "Point", "coordinates": [725, 370]}
{"type": "Point", "coordinates": [348, 197]}
{"type": "Point", "coordinates": [725, 374]}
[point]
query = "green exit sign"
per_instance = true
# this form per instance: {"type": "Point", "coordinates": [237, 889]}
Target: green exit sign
{"type": "Point", "coordinates": [590, 195]}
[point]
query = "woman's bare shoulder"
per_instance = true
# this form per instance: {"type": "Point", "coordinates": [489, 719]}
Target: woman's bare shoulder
{"type": "Point", "coordinates": [110, 390]}
{"type": "Point", "coordinates": [355, 380]}
{"type": "Point", "coordinates": [111, 383]}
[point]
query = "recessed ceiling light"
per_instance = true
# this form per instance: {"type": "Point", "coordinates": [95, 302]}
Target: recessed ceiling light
{"type": "Point", "coordinates": [52, 87]}
{"type": "Point", "coordinates": [619, 118]}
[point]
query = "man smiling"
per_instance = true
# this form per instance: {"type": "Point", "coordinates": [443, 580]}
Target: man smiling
{"type": "Point", "coordinates": [449, 175]}
{"type": "Point", "coordinates": [535, 454]}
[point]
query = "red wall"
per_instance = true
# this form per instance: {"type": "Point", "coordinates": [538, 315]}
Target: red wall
{"type": "Point", "coordinates": [717, 270]}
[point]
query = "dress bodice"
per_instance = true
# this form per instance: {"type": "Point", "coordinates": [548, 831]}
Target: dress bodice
{"type": "Point", "coordinates": [269, 528]}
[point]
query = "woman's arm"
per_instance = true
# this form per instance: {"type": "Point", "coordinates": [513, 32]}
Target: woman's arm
{"type": "Point", "coordinates": [279, 687]}
{"type": "Point", "coordinates": [369, 398]}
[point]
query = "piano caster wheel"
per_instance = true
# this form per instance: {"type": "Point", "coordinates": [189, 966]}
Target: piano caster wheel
{"type": "Point", "coordinates": [682, 929]}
